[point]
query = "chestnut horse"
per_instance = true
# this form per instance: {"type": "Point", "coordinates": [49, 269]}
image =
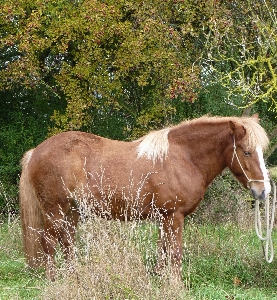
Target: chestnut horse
{"type": "Point", "coordinates": [167, 171]}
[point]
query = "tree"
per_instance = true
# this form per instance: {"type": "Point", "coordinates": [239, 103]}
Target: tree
{"type": "Point", "coordinates": [103, 56]}
{"type": "Point", "coordinates": [242, 58]}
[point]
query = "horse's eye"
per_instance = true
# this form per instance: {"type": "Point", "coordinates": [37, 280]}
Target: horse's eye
{"type": "Point", "coordinates": [247, 153]}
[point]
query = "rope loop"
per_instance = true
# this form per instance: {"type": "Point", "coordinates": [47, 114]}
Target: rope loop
{"type": "Point", "coordinates": [269, 223]}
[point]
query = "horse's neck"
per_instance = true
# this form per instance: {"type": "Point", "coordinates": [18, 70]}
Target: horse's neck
{"type": "Point", "coordinates": [205, 147]}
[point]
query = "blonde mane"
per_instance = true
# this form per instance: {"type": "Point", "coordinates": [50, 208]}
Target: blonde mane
{"type": "Point", "coordinates": [154, 146]}
{"type": "Point", "coordinates": [255, 133]}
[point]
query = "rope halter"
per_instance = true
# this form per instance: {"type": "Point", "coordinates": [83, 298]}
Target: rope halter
{"type": "Point", "coordinates": [248, 179]}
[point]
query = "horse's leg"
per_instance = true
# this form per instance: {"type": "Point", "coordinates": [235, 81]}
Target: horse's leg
{"type": "Point", "coordinates": [161, 257]}
{"type": "Point", "coordinates": [59, 228]}
{"type": "Point", "coordinates": [49, 241]}
{"type": "Point", "coordinates": [67, 233]}
{"type": "Point", "coordinates": [170, 243]}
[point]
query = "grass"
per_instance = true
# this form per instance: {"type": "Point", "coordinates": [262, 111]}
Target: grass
{"type": "Point", "coordinates": [220, 262]}
{"type": "Point", "coordinates": [223, 258]}
{"type": "Point", "coordinates": [112, 262]}
{"type": "Point", "coordinates": [225, 262]}
{"type": "Point", "coordinates": [16, 281]}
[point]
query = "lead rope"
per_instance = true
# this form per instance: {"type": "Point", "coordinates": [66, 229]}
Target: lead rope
{"type": "Point", "coordinates": [258, 224]}
{"type": "Point", "coordinates": [269, 224]}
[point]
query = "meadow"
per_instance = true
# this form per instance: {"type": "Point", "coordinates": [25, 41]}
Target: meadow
{"type": "Point", "coordinates": [223, 258]}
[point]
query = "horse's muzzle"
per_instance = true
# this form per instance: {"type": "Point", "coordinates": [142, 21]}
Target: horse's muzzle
{"type": "Point", "coordinates": [258, 196]}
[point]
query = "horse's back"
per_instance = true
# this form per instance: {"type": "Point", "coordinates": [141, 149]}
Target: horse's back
{"type": "Point", "coordinates": [69, 160]}
{"type": "Point", "coordinates": [65, 148]}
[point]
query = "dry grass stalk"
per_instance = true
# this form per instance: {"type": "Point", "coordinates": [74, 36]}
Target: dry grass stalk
{"type": "Point", "coordinates": [113, 259]}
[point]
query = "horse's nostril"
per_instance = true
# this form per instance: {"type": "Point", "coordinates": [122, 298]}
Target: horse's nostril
{"type": "Point", "coordinates": [254, 194]}
{"type": "Point", "coordinates": [258, 196]}
{"type": "Point", "coordinates": [262, 196]}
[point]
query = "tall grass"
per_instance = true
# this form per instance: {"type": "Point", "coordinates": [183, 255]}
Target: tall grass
{"type": "Point", "coordinates": [114, 261]}
{"type": "Point", "coordinates": [223, 258]}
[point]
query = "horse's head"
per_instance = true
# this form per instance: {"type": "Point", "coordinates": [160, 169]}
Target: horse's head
{"type": "Point", "coordinates": [245, 160]}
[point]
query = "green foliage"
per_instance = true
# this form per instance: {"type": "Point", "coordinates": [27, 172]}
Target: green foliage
{"type": "Point", "coordinates": [103, 53]}
{"type": "Point", "coordinates": [24, 121]}
{"type": "Point", "coordinates": [226, 262]}
{"type": "Point", "coordinates": [242, 57]}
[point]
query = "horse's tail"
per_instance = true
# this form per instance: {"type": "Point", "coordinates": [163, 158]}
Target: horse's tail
{"type": "Point", "coordinates": [31, 216]}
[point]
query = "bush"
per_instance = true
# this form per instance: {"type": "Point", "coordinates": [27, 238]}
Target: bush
{"type": "Point", "coordinates": [8, 201]}
{"type": "Point", "coordinates": [226, 201]}
{"type": "Point", "coordinates": [23, 133]}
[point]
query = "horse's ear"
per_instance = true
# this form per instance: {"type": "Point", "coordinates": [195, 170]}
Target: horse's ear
{"type": "Point", "coordinates": [237, 129]}
{"type": "Point", "coordinates": [256, 117]}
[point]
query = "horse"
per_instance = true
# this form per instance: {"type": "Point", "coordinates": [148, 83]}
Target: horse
{"type": "Point", "coordinates": [166, 171]}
